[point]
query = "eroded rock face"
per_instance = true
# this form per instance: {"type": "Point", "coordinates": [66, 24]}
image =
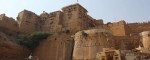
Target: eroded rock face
{"type": "Point", "coordinates": [56, 47]}
{"type": "Point", "coordinates": [10, 50]}
{"type": "Point", "coordinates": [89, 42]}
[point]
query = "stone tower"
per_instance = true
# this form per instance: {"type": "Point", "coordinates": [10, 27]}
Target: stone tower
{"type": "Point", "coordinates": [28, 22]}
{"type": "Point", "coordinates": [75, 15]}
{"type": "Point", "coordinates": [8, 25]}
{"type": "Point", "coordinates": [52, 22]}
{"type": "Point", "coordinates": [119, 28]}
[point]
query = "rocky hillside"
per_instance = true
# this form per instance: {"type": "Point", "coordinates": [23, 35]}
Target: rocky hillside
{"type": "Point", "coordinates": [10, 50]}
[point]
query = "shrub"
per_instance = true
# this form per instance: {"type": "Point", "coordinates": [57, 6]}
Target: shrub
{"type": "Point", "coordinates": [31, 41]}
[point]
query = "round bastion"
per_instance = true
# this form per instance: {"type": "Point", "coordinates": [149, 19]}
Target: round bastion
{"type": "Point", "coordinates": [89, 42]}
{"type": "Point", "coordinates": [146, 39]}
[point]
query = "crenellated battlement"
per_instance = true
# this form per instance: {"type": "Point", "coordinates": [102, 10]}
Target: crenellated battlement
{"type": "Point", "coordinates": [147, 22]}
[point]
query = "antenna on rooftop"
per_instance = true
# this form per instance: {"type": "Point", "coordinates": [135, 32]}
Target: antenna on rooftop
{"type": "Point", "coordinates": [77, 1]}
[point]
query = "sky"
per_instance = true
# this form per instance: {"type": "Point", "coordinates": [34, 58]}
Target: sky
{"type": "Point", "coordinates": [108, 10]}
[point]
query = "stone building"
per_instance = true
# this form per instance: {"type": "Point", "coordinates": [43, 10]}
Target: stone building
{"type": "Point", "coordinates": [8, 25]}
{"type": "Point", "coordinates": [73, 24]}
{"type": "Point", "coordinates": [72, 18]}
{"type": "Point", "coordinates": [52, 22]}
{"type": "Point", "coordinates": [28, 22]}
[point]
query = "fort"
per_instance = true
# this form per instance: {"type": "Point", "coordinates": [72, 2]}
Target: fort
{"type": "Point", "coordinates": [78, 35]}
